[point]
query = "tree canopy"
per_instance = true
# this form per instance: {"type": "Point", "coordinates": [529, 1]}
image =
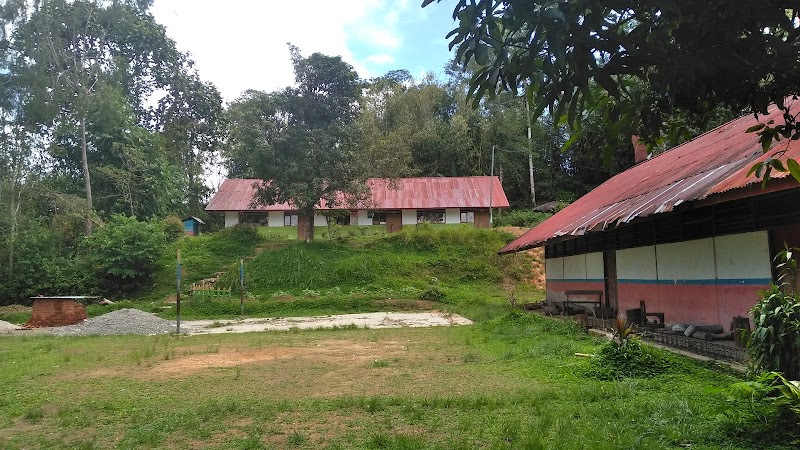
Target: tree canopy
{"type": "Point", "coordinates": [648, 58]}
{"type": "Point", "coordinates": [302, 139]}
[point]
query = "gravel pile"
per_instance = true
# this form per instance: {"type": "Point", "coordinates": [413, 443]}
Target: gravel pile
{"type": "Point", "coordinates": [121, 321]}
{"type": "Point", "coordinates": [6, 327]}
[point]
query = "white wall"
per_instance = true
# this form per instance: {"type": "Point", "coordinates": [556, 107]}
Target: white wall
{"type": "Point", "coordinates": [575, 267]}
{"type": "Point", "coordinates": [452, 215]}
{"type": "Point", "coordinates": [275, 219]}
{"type": "Point", "coordinates": [637, 263]}
{"type": "Point", "coordinates": [320, 221]}
{"type": "Point", "coordinates": [363, 218]}
{"type": "Point", "coordinates": [594, 266]}
{"type": "Point", "coordinates": [554, 268]}
{"type": "Point", "coordinates": [231, 219]}
{"type": "Point", "coordinates": [690, 260]}
{"type": "Point", "coordinates": [743, 256]}
{"type": "Point", "coordinates": [409, 217]}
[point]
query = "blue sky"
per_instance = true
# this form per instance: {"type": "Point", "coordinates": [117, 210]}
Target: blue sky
{"type": "Point", "coordinates": [241, 44]}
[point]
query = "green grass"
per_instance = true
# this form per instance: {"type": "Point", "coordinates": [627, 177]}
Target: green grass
{"type": "Point", "coordinates": [416, 258]}
{"type": "Point", "coordinates": [202, 256]}
{"type": "Point", "coordinates": [348, 231]}
{"type": "Point", "coordinates": [16, 317]}
{"type": "Point", "coordinates": [511, 382]}
{"type": "Point", "coordinates": [373, 273]}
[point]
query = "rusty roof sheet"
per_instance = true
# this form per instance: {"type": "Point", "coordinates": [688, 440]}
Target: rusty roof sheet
{"type": "Point", "coordinates": [401, 193]}
{"type": "Point", "coordinates": [712, 163]}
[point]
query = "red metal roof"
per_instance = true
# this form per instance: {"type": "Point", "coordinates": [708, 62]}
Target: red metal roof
{"type": "Point", "coordinates": [712, 163]}
{"type": "Point", "coordinates": [402, 193]}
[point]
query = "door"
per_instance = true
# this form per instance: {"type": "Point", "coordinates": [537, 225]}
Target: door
{"type": "Point", "coordinates": [394, 222]}
{"type": "Point", "coordinates": [610, 275]}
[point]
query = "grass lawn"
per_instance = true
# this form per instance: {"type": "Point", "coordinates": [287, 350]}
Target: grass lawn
{"type": "Point", "coordinates": [349, 231]}
{"type": "Point", "coordinates": [509, 382]}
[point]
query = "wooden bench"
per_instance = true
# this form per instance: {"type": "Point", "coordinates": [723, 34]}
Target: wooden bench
{"type": "Point", "coordinates": [567, 304]}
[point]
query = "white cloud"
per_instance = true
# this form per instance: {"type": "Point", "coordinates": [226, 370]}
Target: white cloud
{"type": "Point", "coordinates": [381, 59]}
{"type": "Point", "coordinates": [241, 44]}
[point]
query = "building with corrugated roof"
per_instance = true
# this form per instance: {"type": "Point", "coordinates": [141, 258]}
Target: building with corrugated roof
{"type": "Point", "coordinates": [391, 202]}
{"type": "Point", "coordinates": [689, 232]}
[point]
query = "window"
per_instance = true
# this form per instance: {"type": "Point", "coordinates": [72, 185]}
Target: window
{"type": "Point", "coordinates": [290, 220]}
{"type": "Point", "coordinates": [467, 216]}
{"type": "Point", "coordinates": [254, 218]}
{"type": "Point", "coordinates": [378, 218]}
{"type": "Point", "coordinates": [430, 216]}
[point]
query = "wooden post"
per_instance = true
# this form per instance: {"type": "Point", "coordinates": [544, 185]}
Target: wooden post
{"type": "Point", "coordinates": [491, 186]}
{"type": "Point", "coordinates": [178, 296]}
{"type": "Point", "coordinates": [241, 286]}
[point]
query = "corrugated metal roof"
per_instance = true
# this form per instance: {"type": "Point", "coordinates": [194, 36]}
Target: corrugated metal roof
{"type": "Point", "coordinates": [712, 163]}
{"type": "Point", "coordinates": [402, 193]}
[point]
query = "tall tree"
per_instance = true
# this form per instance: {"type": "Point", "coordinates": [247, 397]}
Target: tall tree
{"type": "Point", "coordinates": [736, 53]}
{"type": "Point", "coordinates": [68, 51]}
{"type": "Point", "coordinates": [191, 119]}
{"type": "Point", "coordinates": [308, 153]}
{"type": "Point", "coordinates": [255, 123]}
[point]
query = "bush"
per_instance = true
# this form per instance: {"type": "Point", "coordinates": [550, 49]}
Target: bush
{"type": "Point", "coordinates": [44, 263]}
{"type": "Point", "coordinates": [774, 343]}
{"type": "Point", "coordinates": [774, 388]}
{"type": "Point", "coordinates": [520, 218]}
{"type": "Point", "coordinates": [173, 228]}
{"type": "Point", "coordinates": [433, 293]}
{"type": "Point", "coordinates": [126, 253]}
{"type": "Point", "coordinates": [632, 360]}
{"type": "Point", "coordinates": [243, 233]}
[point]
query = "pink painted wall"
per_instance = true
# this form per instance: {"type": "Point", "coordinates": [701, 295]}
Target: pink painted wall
{"type": "Point", "coordinates": [691, 303]}
{"type": "Point", "coordinates": [680, 303]}
{"type": "Point", "coordinates": [705, 281]}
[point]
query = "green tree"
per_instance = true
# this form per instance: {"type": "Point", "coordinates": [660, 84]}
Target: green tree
{"type": "Point", "coordinates": [191, 120]}
{"type": "Point", "coordinates": [126, 254]}
{"type": "Point", "coordinates": [650, 58]}
{"type": "Point", "coordinates": [306, 146]}
{"type": "Point", "coordinates": [254, 125]}
{"type": "Point", "coordinates": [67, 52]}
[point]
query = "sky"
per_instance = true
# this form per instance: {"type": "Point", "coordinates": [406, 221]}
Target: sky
{"type": "Point", "coordinates": [241, 44]}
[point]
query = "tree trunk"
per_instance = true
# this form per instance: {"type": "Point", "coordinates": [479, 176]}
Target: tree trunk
{"type": "Point", "coordinates": [530, 152]}
{"type": "Point", "coordinates": [12, 238]}
{"type": "Point", "coordinates": [310, 227]}
{"type": "Point", "coordinates": [86, 179]}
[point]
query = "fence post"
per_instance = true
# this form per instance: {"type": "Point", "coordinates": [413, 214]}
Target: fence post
{"type": "Point", "coordinates": [241, 286]}
{"type": "Point", "coordinates": [178, 294]}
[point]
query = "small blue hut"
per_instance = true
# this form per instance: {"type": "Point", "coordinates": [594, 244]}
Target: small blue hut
{"type": "Point", "coordinates": [191, 225]}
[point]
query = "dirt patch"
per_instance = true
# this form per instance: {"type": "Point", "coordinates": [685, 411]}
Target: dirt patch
{"type": "Point", "coordinates": [328, 352]}
{"type": "Point", "coordinates": [187, 365]}
{"type": "Point", "coordinates": [362, 320]}
{"type": "Point", "coordinates": [516, 231]}
{"type": "Point", "coordinates": [537, 278]}
{"type": "Point", "coordinates": [421, 305]}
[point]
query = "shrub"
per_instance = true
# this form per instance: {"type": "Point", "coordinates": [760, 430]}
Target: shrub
{"type": "Point", "coordinates": [243, 233]}
{"type": "Point", "coordinates": [433, 293]}
{"type": "Point", "coordinates": [774, 343]}
{"type": "Point", "coordinates": [173, 228]}
{"type": "Point", "coordinates": [126, 253]}
{"type": "Point", "coordinates": [774, 388]}
{"type": "Point", "coordinates": [520, 218]}
{"type": "Point", "coordinates": [626, 357]}
{"type": "Point", "coordinates": [632, 360]}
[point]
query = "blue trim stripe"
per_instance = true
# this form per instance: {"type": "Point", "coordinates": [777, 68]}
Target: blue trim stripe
{"type": "Point", "coordinates": [578, 280]}
{"type": "Point", "coordinates": [721, 281]}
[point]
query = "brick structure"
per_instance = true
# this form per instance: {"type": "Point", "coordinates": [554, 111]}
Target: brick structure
{"type": "Point", "coordinates": [56, 311]}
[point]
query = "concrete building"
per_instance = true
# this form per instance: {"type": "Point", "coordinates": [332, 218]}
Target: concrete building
{"type": "Point", "coordinates": [393, 203]}
{"type": "Point", "coordinates": [689, 231]}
